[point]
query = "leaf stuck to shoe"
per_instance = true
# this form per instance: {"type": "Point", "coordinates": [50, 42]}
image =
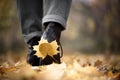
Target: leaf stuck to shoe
{"type": "Point", "coordinates": [45, 48]}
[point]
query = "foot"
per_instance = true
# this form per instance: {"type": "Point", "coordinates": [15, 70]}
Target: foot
{"type": "Point", "coordinates": [52, 33]}
{"type": "Point", "coordinates": [31, 58]}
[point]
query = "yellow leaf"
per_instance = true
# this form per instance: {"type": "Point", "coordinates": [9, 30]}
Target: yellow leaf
{"type": "Point", "coordinates": [45, 48]}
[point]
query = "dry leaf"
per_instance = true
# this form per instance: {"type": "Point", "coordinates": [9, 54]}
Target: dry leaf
{"type": "Point", "coordinates": [45, 48]}
{"type": "Point", "coordinates": [97, 63]}
{"type": "Point", "coordinates": [72, 69]}
{"type": "Point", "coordinates": [2, 70]}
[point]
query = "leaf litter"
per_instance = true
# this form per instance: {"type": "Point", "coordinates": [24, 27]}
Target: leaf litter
{"type": "Point", "coordinates": [73, 67]}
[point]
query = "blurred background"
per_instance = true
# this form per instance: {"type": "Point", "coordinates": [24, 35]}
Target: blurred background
{"type": "Point", "coordinates": [93, 27]}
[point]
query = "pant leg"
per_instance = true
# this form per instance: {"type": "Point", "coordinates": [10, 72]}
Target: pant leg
{"type": "Point", "coordinates": [30, 14]}
{"type": "Point", "coordinates": [56, 11]}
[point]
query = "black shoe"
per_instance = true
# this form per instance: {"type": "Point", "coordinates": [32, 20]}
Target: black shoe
{"type": "Point", "coordinates": [31, 58]}
{"type": "Point", "coordinates": [52, 33]}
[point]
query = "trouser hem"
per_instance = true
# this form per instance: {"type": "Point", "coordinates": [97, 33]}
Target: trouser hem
{"type": "Point", "coordinates": [28, 37]}
{"type": "Point", "coordinates": [54, 18]}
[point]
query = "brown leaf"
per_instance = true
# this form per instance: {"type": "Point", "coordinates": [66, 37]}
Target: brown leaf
{"type": "Point", "coordinates": [116, 77]}
{"type": "Point", "coordinates": [2, 70]}
{"type": "Point", "coordinates": [97, 63]}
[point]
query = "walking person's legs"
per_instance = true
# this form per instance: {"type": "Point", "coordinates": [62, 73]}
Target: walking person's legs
{"type": "Point", "coordinates": [54, 21]}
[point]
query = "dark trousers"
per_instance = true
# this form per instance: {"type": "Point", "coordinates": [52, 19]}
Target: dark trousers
{"type": "Point", "coordinates": [32, 16]}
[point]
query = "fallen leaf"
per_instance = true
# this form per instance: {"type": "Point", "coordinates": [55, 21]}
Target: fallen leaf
{"type": "Point", "coordinates": [97, 63]}
{"type": "Point", "coordinates": [45, 48]}
{"type": "Point", "coordinates": [116, 77]}
{"type": "Point", "coordinates": [2, 70]}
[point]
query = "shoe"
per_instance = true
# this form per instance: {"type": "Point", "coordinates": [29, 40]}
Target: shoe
{"type": "Point", "coordinates": [31, 58]}
{"type": "Point", "coordinates": [52, 33]}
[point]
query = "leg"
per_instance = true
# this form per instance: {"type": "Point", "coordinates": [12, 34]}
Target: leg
{"type": "Point", "coordinates": [54, 21]}
{"type": "Point", "coordinates": [56, 11]}
{"type": "Point", "coordinates": [30, 13]}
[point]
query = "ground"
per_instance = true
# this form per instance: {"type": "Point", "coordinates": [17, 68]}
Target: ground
{"type": "Point", "coordinates": [74, 66]}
